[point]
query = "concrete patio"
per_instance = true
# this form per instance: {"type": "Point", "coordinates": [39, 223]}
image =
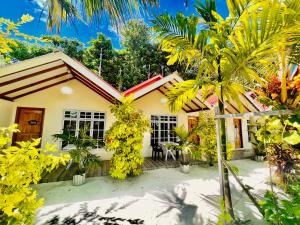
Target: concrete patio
{"type": "Point", "coordinates": [161, 196]}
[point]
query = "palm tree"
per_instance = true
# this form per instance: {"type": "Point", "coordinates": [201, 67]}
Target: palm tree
{"type": "Point", "coordinates": [59, 11]}
{"type": "Point", "coordinates": [230, 54]}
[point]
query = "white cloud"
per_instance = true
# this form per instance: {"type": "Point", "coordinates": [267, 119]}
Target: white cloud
{"type": "Point", "coordinates": [40, 4]}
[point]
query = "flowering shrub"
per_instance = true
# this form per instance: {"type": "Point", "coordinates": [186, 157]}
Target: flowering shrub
{"type": "Point", "coordinates": [21, 166]}
{"type": "Point", "coordinates": [125, 138]}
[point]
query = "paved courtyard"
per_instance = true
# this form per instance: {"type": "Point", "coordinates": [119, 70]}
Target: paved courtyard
{"type": "Point", "coordinates": [162, 196]}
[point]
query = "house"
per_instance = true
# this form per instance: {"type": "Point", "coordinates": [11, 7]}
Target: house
{"type": "Point", "coordinates": [47, 94]}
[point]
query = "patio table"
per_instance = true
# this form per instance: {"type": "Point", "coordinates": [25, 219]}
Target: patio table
{"type": "Point", "coordinates": [169, 151]}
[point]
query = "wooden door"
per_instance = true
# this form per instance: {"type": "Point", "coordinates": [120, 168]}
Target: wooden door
{"type": "Point", "coordinates": [30, 121]}
{"type": "Point", "coordinates": [192, 123]}
{"type": "Point", "coordinates": [238, 137]}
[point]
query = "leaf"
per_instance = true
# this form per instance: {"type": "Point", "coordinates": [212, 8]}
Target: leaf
{"type": "Point", "coordinates": [292, 137]}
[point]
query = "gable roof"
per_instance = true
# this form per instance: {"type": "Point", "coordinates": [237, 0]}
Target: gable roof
{"type": "Point", "coordinates": [33, 75]}
{"type": "Point", "coordinates": [163, 85]}
{"type": "Point", "coordinates": [248, 100]}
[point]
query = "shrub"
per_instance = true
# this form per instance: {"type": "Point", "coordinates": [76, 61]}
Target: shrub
{"type": "Point", "coordinates": [206, 130]}
{"type": "Point", "coordinates": [125, 138]}
{"type": "Point", "coordinates": [282, 211]}
{"type": "Point", "coordinates": [279, 135]}
{"type": "Point", "coordinates": [80, 154]}
{"type": "Point", "coordinates": [21, 166]}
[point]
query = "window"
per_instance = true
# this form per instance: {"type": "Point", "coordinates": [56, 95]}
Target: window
{"type": "Point", "coordinates": [93, 122]}
{"type": "Point", "coordinates": [163, 129]}
{"type": "Point", "coordinates": [249, 130]}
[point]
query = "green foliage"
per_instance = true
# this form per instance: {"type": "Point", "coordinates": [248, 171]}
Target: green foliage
{"type": "Point", "coordinates": [21, 166]}
{"type": "Point", "coordinates": [284, 211]}
{"type": "Point", "coordinates": [224, 218]}
{"type": "Point", "coordinates": [80, 154]}
{"type": "Point", "coordinates": [70, 46]}
{"type": "Point", "coordinates": [25, 50]}
{"type": "Point", "coordinates": [206, 130]}
{"type": "Point", "coordinates": [277, 130]}
{"type": "Point", "coordinates": [125, 139]}
{"type": "Point", "coordinates": [230, 54]}
{"type": "Point", "coordinates": [68, 11]}
{"type": "Point", "coordinates": [186, 146]}
{"type": "Point", "coordinates": [111, 61]}
{"type": "Point", "coordinates": [279, 136]}
{"type": "Point", "coordinates": [9, 31]}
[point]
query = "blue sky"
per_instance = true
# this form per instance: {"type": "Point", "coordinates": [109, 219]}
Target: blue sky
{"type": "Point", "coordinates": [14, 9]}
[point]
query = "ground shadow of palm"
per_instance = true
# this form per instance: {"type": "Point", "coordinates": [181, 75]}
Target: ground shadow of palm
{"type": "Point", "coordinates": [85, 216]}
{"type": "Point", "coordinates": [187, 212]}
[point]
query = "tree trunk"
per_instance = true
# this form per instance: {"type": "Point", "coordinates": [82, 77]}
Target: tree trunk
{"type": "Point", "coordinates": [226, 188]}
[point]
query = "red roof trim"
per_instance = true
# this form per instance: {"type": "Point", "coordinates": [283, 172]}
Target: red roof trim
{"type": "Point", "coordinates": [142, 85]}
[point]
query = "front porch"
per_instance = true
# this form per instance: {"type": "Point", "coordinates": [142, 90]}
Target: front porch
{"type": "Point", "coordinates": [62, 174]}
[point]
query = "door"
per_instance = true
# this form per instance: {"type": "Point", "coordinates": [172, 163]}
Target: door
{"type": "Point", "coordinates": [238, 133]}
{"type": "Point", "coordinates": [30, 121]}
{"type": "Point", "coordinates": [192, 123]}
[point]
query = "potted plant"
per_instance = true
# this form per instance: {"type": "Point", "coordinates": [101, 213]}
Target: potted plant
{"type": "Point", "coordinates": [259, 149]}
{"type": "Point", "coordinates": [79, 150]}
{"type": "Point", "coordinates": [185, 146]}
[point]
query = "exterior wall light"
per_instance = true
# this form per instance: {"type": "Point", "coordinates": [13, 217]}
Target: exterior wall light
{"type": "Point", "coordinates": [66, 90]}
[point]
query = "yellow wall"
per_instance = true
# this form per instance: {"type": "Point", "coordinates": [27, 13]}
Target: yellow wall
{"type": "Point", "coordinates": [150, 104]}
{"type": "Point", "coordinates": [82, 98]}
{"type": "Point", "coordinates": [6, 110]}
{"type": "Point", "coordinates": [55, 103]}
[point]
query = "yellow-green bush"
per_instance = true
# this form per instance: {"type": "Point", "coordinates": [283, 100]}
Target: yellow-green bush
{"type": "Point", "coordinates": [125, 138]}
{"type": "Point", "coordinates": [21, 166]}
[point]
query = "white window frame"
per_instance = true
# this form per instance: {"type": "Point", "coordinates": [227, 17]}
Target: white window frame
{"type": "Point", "coordinates": [159, 121]}
{"type": "Point", "coordinates": [78, 119]}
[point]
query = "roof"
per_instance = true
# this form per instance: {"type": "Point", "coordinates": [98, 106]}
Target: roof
{"type": "Point", "coordinates": [33, 75]}
{"type": "Point", "coordinates": [30, 76]}
{"type": "Point", "coordinates": [142, 85]}
{"type": "Point", "coordinates": [248, 100]}
{"type": "Point", "coordinates": [163, 85]}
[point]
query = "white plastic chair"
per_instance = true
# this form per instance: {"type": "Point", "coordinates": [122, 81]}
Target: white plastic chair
{"type": "Point", "coordinates": [168, 151]}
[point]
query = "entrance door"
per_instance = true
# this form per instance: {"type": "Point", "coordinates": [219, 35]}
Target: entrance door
{"type": "Point", "coordinates": [30, 121]}
{"type": "Point", "coordinates": [238, 133]}
{"type": "Point", "coordinates": [192, 123]}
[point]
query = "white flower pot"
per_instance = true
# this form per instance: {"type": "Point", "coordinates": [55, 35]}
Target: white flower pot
{"type": "Point", "coordinates": [78, 179]}
{"type": "Point", "coordinates": [185, 168]}
{"type": "Point", "coordinates": [259, 158]}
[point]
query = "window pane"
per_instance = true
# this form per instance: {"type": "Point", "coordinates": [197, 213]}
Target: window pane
{"type": "Point", "coordinates": [154, 118]}
{"type": "Point", "coordinates": [85, 125]}
{"type": "Point", "coordinates": [70, 114]}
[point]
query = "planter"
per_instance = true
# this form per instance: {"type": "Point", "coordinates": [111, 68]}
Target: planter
{"type": "Point", "coordinates": [259, 158]}
{"type": "Point", "coordinates": [78, 179]}
{"type": "Point", "coordinates": [185, 168]}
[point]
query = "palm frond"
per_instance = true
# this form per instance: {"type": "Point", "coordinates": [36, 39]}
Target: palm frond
{"type": "Point", "coordinates": [181, 94]}
{"type": "Point", "coordinates": [206, 10]}
{"type": "Point", "coordinates": [68, 11]}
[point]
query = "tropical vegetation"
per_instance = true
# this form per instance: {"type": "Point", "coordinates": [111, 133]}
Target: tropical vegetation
{"type": "Point", "coordinates": [231, 54]}
{"type": "Point", "coordinates": [125, 139]}
{"type": "Point", "coordinates": [80, 150]}
{"type": "Point", "coordinates": [20, 167]}
{"type": "Point", "coordinates": [9, 32]}
{"type": "Point", "coordinates": [138, 60]}
{"type": "Point", "coordinates": [69, 11]}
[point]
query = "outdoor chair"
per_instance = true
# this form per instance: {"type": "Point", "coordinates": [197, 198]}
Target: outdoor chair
{"type": "Point", "coordinates": [156, 150]}
{"type": "Point", "coordinates": [169, 151]}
